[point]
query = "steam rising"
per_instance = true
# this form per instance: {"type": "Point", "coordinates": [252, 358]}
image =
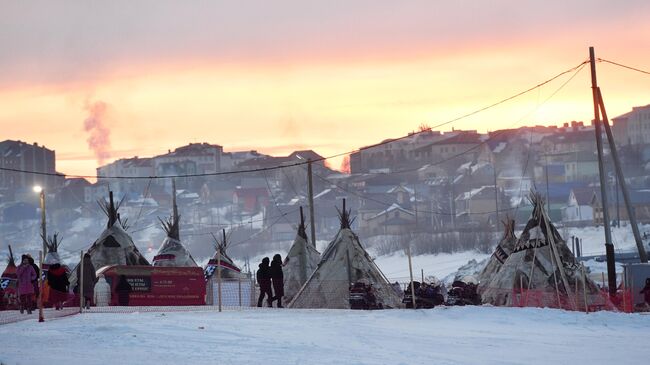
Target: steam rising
{"type": "Point", "coordinates": [99, 135]}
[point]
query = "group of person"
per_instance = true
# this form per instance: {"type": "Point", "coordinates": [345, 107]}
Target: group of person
{"type": "Point", "coordinates": [270, 278]}
{"type": "Point", "coordinates": [55, 289]}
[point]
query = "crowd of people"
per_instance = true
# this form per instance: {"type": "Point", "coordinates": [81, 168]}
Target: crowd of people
{"type": "Point", "coordinates": [55, 289]}
{"type": "Point", "coordinates": [270, 278]}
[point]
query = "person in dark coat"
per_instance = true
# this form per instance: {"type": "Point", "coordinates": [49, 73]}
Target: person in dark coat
{"type": "Point", "coordinates": [89, 280]}
{"type": "Point", "coordinates": [57, 279]}
{"type": "Point", "coordinates": [264, 281]}
{"type": "Point", "coordinates": [123, 289]}
{"type": "Point", "coordinates": [35, 282]}
{"type": "Point", "coordinates": [277, 278]}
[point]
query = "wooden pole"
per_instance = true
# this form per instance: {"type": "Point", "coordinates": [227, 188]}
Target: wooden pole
{"type": "Point", "coordinates": [619, 173]}
{"type": "Point", "coordinates": [408, 253]}
{"type": "Point", "coordinates": [219, 278]}
{"type": "Point", "coordinates": [239, 284]}
{"type": "Point", "coordinates": [609, 247]}
{"type": "Point", "coordinates": [81, 282]}
{"type": "Point", "coordinates": [584, 287]}
{"type": "Point", "coordinates": [312, 220]}
{"type": "Point", "coordinates": [41, 318]}
{"type": "Point", "coordinates": [422, 275]}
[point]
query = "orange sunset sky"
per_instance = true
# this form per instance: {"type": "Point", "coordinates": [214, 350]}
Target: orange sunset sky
{"type": "Point", "coordinates": [277, 76]}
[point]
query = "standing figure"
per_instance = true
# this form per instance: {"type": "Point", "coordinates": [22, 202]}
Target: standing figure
{"type": "Point", "coordinates": [102, 292]}
{"type": "Point", "coordinates": [89, 279]}
{"type": "Point", "coordinates": [123, 289]}
{"type": "Point", "coordinates": [57, 280]}
{"type": "Point", "coordinates": [25, 276]}
{"type": "Point", "coordinates": [35, 281]}
{"type": "Point", "coordinates": [264, 281]}
{"type": "Point", "coordinates": [277, 277]}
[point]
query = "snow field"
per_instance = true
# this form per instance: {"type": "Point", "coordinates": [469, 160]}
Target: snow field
{"type": "Point", "coordinates": [456, 335]}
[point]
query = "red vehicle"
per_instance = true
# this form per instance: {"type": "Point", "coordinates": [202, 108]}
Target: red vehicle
{"type": "Point", "coordinates": [155, 285]}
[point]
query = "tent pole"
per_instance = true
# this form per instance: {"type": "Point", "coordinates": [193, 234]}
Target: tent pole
{"type": "Point", "coordinates": [81, 282]}
{"type": "Point", "coordinates": [408, 253]}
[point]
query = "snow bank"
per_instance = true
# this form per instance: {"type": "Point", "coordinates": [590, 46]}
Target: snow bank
{"type": "Point", "coordinates": [457, 335]}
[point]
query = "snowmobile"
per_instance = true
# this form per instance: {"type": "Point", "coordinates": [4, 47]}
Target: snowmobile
{"type": "Point", "coordinates": [362, 296]}
{"type": "Point", "coordinates": [426, 296]}
{"type": "Point", "coordinates": [463, 292]}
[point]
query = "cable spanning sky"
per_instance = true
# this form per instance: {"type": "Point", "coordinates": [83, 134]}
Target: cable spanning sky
{"type": "Point", "coordinates": [100, 81]}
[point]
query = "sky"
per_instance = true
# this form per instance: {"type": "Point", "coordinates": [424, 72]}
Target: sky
{"type": "Point", "coordinates": [97, 81]}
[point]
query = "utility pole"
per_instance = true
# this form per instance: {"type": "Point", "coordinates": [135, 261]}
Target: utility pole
{"type": "Point", "coordinates": [311, 202]}
{"type": "Point", "coordinates": [496, 196]}
{"type": "Point", "coordinates": [415, 205]}
{"type": "Point", "coordinates": [609, 247]}
{"type": "Point", "coordinates": [619, 172]}
{"type": "Point", "coordinates": [548, 194]}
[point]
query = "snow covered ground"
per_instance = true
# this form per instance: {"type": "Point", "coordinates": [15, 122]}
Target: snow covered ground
{"type": "Point", "coordinates": [457, 335]}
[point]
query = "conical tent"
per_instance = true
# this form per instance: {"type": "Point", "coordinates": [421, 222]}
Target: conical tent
{"type": "Point", "coordinates": [301, 261]}
{"type": "Point", "coordinates": [52, 257]}
{"type": "Point", "coordinates": [228, 268]}
{"type": "Point", "coordinates": [344, 262]}
{"type": "Point", "coordinates": [114, 246]}
{"type": "Point", "coordinates": [9, 283]}
{"type": "Point", "coordinates": [172, 252]}
{"type": "Point", "coordinates": [501, 252]}
{"type": "Point", "coordinates": [541, 270]}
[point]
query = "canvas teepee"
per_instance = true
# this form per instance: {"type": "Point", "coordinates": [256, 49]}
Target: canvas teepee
{"type": "Point", "coordinates": [9, 283]}
{"type": "Point", "coordinates": [114, 246]}
{"type": "Point", "coordinates": [541, 270]}
{"type": "Point", "coordinates": [228, 268]}
{"type": "Point", "coordinates": [301, 261]}
{"type": "Point", "coordinates": [172, 252]}
{"type": "Point", "coordinates": [52, 257]}
{"type": "Point", "coordinates": [344, 262]}
{"type": "Point", "coordinates": [501, 252]}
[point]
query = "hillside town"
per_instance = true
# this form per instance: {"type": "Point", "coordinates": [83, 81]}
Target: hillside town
{"type": "Point", "coordinates": [426, 183]}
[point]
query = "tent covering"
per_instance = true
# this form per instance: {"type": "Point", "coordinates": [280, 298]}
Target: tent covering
{"type": "Point", "coordinates": [301, 261]}
{"type": "Point", "coordinates": [344, 262]}
{"type": "Point", "coordinates": [172, 252]}
{"type": "Point", "coordinates": [541, 270]}
{"type": "Point", "coordinates": [501, 253]}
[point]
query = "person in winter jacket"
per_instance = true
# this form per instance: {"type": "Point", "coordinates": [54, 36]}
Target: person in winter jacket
{"type": "Point", "coordinates": [102, 292]}
{"type": "Point", "coordinates": [57, 279]}
{"type": "Point", "coordinates": [264, 281]}
{"type": "Point", "coordinates": [25, 276]}
{"type": "Point", "coordinates": [89, 279]}
{"type": "Point", "coordinates": [123, 289]}
{"type": "Point", "coordinates": [35, 282]}
{"type": "Point", "coordinates": [277, 278]}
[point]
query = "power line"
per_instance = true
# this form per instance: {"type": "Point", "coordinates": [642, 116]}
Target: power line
{"type": "Point", "coordinates": [282, 166]}
{"type": "Point", "coordinates": [624, 66]}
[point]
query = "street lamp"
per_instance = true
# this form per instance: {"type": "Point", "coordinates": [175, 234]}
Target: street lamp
{"type": "Point", "coordinates": [38, 189]}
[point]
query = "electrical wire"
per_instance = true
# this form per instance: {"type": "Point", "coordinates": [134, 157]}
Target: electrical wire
{"type": "Point", "coordinates": [624, 66]}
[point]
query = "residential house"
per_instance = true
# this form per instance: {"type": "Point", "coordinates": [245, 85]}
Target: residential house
{"type": "Point", "coordinates": [579, 209]}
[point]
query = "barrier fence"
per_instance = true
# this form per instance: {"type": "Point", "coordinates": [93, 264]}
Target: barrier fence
{"type": "Point", "coordinates": [242, 294]}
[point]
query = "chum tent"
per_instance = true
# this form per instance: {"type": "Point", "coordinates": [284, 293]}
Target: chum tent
{"type": "Point", "coordinates": [114, 246]}
{"type": "Point", "coordinates": [172, 252]}
{"type": "Point", "coordinates": [504, 248]}
{"type": "Point", "coordinates": [542, 271]}
{"type": "Point", "coordinates": [343, 263]}
{"type": "Point", "coordinates": [228, 268]}
{"type": "Point", "coordinates": [300, 262]}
